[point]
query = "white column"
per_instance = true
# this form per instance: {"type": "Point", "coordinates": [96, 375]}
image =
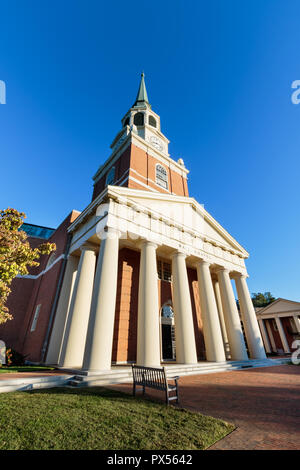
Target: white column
{"type": "Point", "coordinates": [297, 322]}
{"type": "Point", "coordinates": [76, 328]}
{"type": "Point", "coordinates": [281, 332]}
{"type": "Point", "coordinates": [99, 339]}
{"type": "Point", "coordinates": [184, 326]}
{"type": "Point", "coordinates": [213, 340]}
{"type": "Point", "coordinates": [221, 318]}
{"type": "Point", "coordinates": [270, 333]}
{"type": "Point", "coordinates": [62, 310]}
{"type": "Point", "coordinates": [148, 328]}
{"type": "Point", "coordinates": [252, 332]}
{"type": "Point", "coordinates": [264, 335]}
{"type": "Point", "coordinates": [231, 316]}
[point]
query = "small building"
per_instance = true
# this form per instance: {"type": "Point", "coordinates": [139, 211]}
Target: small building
{"type": "Point", "coordinates": [144, 274]}
{"type": "Point", "coordinates": [279, 324]}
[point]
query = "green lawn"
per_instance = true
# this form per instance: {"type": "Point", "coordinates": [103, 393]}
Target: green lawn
{"type": "Point", "coordinates": [98, 418]}
{"type": "Point", "coordinates": [14, 369]}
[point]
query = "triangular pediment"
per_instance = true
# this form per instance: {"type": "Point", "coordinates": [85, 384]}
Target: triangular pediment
{"type": "Point", "coordinates": [184, 211]}
{"type": "Point", "coordinates": [279, 306]}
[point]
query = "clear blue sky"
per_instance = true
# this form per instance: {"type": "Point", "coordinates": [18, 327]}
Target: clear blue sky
{"type": "Point", "coordinates": [219, 74]}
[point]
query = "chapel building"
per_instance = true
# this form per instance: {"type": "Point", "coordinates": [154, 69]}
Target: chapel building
{"type": "Point", "coordinates": [143, 275]}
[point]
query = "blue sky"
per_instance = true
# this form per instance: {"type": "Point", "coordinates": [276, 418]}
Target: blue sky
{"type": "Point", "coordinates": [218, 73]}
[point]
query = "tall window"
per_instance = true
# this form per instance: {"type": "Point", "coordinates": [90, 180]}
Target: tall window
{"type": "Point", "coordinates": [164, 271]}
{"type": "Point", "coordinates": [110, 176]}
{"type": "Point", "coordinates": [138, 119]}
{"type": "Point", "coordinates": [35, 318]}
{"type": "Point", "coordinates": [161, 176]}
{"type": "Point", "coordinates": [51, 259]}
{"type": "Point", "coordinates": [152, 121]}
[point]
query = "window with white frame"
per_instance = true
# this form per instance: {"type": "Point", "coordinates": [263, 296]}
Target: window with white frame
{"type": "Point", "coordinates": [110, 176]}
{"type": "Point", "coordinates": [161, 176]}
{"type": "Point", "coordinates": [35, 318]}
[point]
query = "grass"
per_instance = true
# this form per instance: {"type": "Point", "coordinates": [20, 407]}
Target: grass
{"type": "Point", "coordinates": [98, 418]}
{"type": "Point", "coordinates": [15, 369]}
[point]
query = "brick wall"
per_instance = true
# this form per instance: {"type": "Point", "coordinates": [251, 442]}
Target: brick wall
{"type": "Point", "coordinates": [140, 166]}
{"type": "Point", "coordinates": [28, 293]}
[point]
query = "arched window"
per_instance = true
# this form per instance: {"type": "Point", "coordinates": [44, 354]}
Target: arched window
{"type": "Point", "coordinates": [51, 260]}
{"type": "Point", "coordinates": [167, 311]}
{"type": "Point", "coordinates": [138, 119]}
{"type": "Point", "coordinates": [110, 176]}
{"type": "Point", "coordinates": [152, 121]}
{"type": "Point", "coordinates": [161, 176]}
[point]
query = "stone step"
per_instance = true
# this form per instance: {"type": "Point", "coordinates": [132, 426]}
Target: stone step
{"type": "Point", "coordinates": [32, 383]}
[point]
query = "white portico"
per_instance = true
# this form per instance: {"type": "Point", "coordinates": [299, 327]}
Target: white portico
{"type": "Point", "coordinates": [177, 229]}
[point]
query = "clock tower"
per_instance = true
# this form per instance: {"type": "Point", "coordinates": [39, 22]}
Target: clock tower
{"type": "Point", "coordinates": [140, 157]}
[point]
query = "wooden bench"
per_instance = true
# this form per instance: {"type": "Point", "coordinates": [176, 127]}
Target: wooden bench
{"type": "Point", "coordinates": [155, 378]}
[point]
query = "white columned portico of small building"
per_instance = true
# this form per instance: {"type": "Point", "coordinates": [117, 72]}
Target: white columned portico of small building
{"type": "Point", "coordinates": [99, 338]}
{"type": "Point", "coordinates": [148, 345]}
{"type": "Point", "coordinates": [211, 324]}
{"type": "Point", "coordinates": [76, 328]}
{"type": "Point", "coordinates": [282, 335]}
{"type": "Point", "coordinates": [237, 345]}
{"type": "Point", "coordinates": [252, 332]}
{"type": "Point", "coordinates": [62, 310]}
{"type": "Point", "coordinates": [264, 335]}
{"type": "Point", "coordinates": [184, 327]}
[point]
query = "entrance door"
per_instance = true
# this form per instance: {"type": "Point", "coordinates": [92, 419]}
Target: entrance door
{"type": "Point", "coordinates": [167, 351]}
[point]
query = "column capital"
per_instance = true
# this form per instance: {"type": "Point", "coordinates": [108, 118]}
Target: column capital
{"type": "Point", "coordinates": [178, 253]}
{"type": "Point", "coordinates": [222, 269]}
{"type": "Point", "coordinates": [203, 262]}
{"type": "Point", "coordinates": [88, 246]}
{"type": "Point", "coordinates": [111, 232]}
{"type": "Point", "coordinates": [144, 241]}
{"type": "Point", "coordinates": [238, 275]}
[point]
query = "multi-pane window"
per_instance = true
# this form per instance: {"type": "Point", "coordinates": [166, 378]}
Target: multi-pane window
{"type": "Point", "coordinates": [161, 176]}
{"type": "Point", "coordinates": [164, 271]}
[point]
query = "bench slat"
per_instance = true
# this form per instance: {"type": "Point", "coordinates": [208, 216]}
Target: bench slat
{"type": "Point", "coordinates": [155, 378]}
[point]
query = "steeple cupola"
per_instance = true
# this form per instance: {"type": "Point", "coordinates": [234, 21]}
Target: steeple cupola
{"type": "Point", "coordinates": [143, 121]}
{"type": "Point", "coordinates": [140, 157]}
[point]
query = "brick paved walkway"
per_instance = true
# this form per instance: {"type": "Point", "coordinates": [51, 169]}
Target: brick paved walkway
{"type": "Point", "coordinates": [263, 403]}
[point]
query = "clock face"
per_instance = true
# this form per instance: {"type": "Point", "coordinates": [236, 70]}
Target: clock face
{"type": "Point", "coordinates": [156, 143]}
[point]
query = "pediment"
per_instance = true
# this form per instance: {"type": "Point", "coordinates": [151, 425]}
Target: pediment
{"type": "Point", "coordinates": [280, 305]}
{"type": "Point", "coordinates": [184, 211]}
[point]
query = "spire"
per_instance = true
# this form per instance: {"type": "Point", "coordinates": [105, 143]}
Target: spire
{"type": "Point", "coordinates": [142, 97]}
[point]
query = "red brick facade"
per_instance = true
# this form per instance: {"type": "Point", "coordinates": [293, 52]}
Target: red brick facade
{"type": "Point", "coordinates": [136, 168]}
{"type": "Point", "coordinates": [27, 293]}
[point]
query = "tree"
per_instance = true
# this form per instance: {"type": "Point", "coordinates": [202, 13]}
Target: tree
{"type": "Point", "coordinates": [262, 300]}
{"type": "Point", "coordinates": [16, 255]}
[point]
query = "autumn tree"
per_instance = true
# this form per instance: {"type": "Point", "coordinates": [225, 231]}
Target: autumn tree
{"type": "Point", "coordinates": [16, 255]}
